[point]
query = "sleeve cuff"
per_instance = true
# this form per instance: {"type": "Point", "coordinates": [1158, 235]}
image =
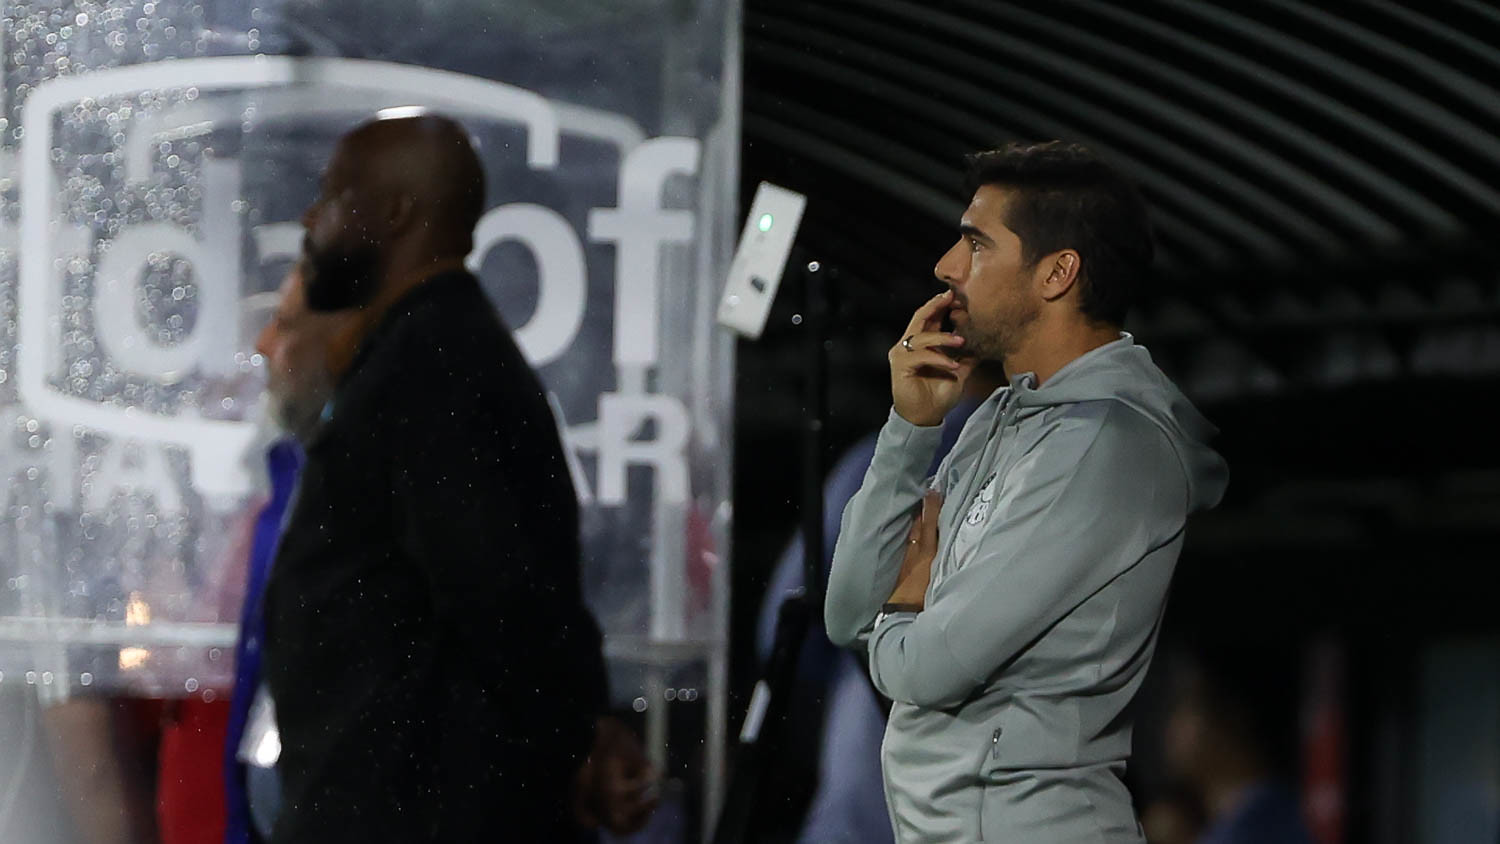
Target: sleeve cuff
{"type": "Point", "coordinates": [884, 620]}
{"type": "Point", "coordinates": [906, 427]}
{"type": "Point", "coordinates": [885, 625]}
{"type": "Point", "coordinates": [912, 445]}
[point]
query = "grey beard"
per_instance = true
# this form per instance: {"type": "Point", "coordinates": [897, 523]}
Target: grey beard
{"type": "Point", "coordinates": [299, 415]}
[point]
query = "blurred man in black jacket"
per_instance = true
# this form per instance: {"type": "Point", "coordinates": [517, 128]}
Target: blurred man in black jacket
{"type": "Point", "coordinates": [435, 672]}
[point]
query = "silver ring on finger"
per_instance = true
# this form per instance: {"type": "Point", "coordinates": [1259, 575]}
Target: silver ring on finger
{"type": "Point", "coordinates": [906, 343]}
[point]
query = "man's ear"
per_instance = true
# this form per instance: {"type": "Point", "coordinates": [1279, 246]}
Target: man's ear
{"type": "Point", "coordinates": [1061, 273]}
{"type": "Point", "coordinates": [399, 212]}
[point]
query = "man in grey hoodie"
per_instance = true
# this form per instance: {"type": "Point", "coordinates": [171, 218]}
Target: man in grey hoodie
{"type": "Point", "coordinates": [1010, 604]}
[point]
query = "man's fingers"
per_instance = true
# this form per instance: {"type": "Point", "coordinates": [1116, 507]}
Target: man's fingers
{"type": "Point", "coordinates": [922, 319]}
{"type": "Point", "coordinates": [930, 340]}
{"type": "Point", "coordinates": [910, 362]}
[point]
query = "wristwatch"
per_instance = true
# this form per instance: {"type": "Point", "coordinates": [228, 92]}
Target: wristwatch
{"type": "Point", "coordinates": [891, 609]}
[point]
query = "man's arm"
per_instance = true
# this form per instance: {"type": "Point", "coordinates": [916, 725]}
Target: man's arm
{"type": "Point", "coordinates": [872, 535]}
{"type": "Point", "coordinates": [926, 383]}
{"type": "Point", "coordinates": [617, 787]}
{"type": "Point", "coordinates": [1084, 507]}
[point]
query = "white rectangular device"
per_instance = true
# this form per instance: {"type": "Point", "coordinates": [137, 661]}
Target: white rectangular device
{"type": "Point", "coordinates": [755, 272]}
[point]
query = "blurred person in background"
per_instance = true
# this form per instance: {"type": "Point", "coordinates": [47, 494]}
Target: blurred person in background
{"type": "Point", "coordinates": [436, 525]}
{"type": "Point", "coordinates": [298, 386]}
{"type": "Point", "coordinates": [133, 763]}
{"type": "Point", "coordinates": [1173, 817]}
{"type": "Point", "coordinates": [1010, 605]}
{"type": "Point", "coordinates": [1232, 736]}
{"type": "Point", "coordinates": [151, 770]}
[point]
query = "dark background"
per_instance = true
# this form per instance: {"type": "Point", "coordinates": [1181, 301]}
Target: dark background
{"type": "Point", "coordinates": [1325, 188]}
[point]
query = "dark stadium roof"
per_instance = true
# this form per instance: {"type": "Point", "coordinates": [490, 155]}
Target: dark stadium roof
{"type": "Point", "coordinates": [1316, 176]}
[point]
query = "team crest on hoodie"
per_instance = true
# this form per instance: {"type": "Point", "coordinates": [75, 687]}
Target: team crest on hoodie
{"type": "Point", "coordinates": [980, 509]}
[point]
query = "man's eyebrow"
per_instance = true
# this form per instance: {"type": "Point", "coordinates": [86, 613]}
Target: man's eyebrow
{"type": "Point", "coordinates": [971, 230]}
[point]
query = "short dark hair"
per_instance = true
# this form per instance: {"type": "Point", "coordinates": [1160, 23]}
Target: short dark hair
{"type": "Point", "coordinates": [1064, 197]}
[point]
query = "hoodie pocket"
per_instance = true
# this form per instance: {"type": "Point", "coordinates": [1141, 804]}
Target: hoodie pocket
{"type": "Point", "coordinates": [1032, 734]}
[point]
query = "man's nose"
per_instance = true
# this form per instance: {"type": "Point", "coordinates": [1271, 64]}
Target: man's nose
{"type": "Point", "coordinates": [946, 269]}
{"type": "Point", "coordinates": [263, 342]}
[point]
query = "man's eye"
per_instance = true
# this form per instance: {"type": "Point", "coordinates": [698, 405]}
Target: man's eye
{"type": "Point", "coordinates": [973, 245]}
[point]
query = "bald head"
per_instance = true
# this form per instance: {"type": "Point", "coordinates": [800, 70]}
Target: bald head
{"type": "Point", "coordinates": [399, 195]}
{"type": "Point", "coordinates": [427, 159]}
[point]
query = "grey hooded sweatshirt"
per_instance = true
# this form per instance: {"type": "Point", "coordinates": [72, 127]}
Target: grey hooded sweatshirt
{"type": "Point", "coordinates": [1061, 524]}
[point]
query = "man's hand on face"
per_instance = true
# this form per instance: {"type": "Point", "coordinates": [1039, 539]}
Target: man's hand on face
{"type": "Point", "coordinates": [616, 787]}
{"type": "Point", "coordinates": [925, 382]}
{"type": "Point", "coordinates": [921, 548]}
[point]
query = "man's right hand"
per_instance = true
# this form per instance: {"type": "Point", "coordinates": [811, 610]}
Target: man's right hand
{"type": "Point", "coordinates": [925, 382]}
{"type": "Point", "coordinates": [617, 788]}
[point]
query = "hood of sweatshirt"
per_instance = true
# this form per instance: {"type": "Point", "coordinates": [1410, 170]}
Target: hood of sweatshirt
{"type": "Point", "coordinates": [1123, 371]}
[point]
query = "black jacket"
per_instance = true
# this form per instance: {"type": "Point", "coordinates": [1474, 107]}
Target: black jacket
{"type": "Point", "coordinates": [435, 672]}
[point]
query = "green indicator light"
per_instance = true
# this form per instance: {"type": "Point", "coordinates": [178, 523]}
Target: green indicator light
{"type": "Point", "coordinates": [765, 222]}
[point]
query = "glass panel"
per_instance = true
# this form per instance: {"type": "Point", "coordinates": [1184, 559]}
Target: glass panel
{"type": "Point", "coordinates": [155, 158]}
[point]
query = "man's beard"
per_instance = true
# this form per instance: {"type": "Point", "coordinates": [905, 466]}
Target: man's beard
{"type": "Point", "coordinates": [1000, 339]}
{"type": "Point", "coordinates": [299, 411]}
{"type": "Point", "coordinates": [339, 279]}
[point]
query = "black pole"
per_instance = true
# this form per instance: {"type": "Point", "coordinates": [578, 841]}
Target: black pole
{"type": "Point", "coordinates": [765, 721]}
{"type": "Point", "coordinates": [814, 417]}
